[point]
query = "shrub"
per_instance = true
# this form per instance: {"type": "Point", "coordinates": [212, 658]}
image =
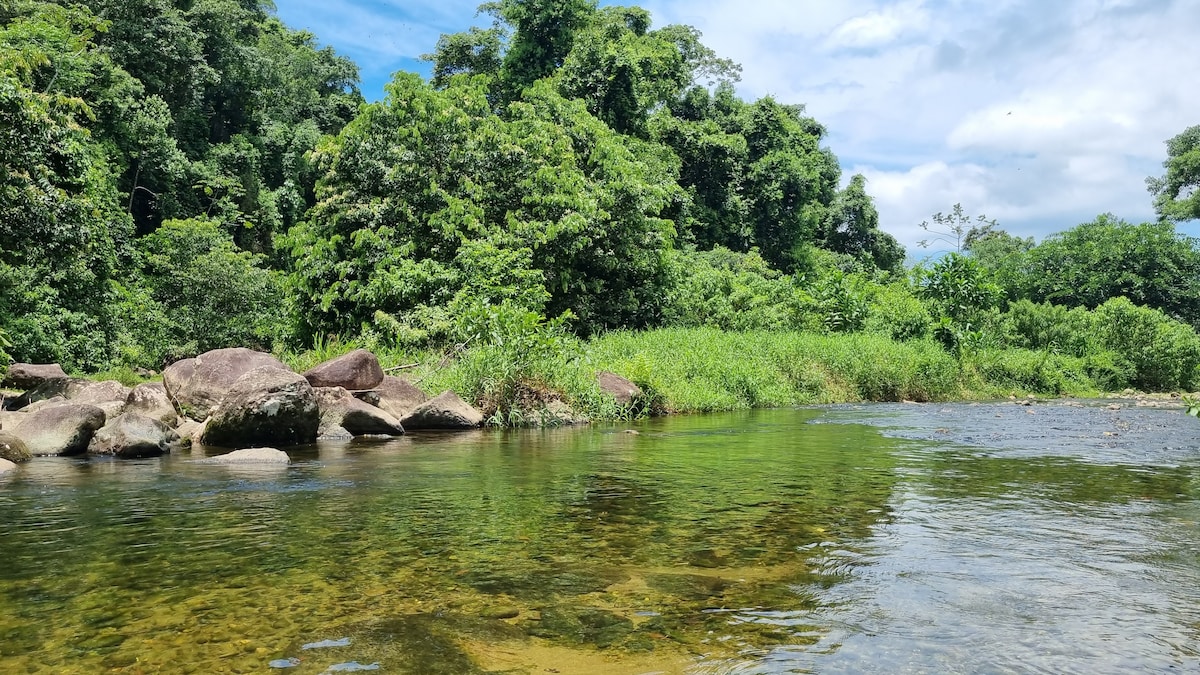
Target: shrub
{"type": "Point", "coordinates": [1163, 353]}
{"type": "Point", "coordinates": [198, 292]}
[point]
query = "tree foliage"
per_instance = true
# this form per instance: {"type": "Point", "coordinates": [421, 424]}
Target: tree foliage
{"type": "Point", "coordinates": [1177, 193]}
{"type": "Point", "coordinates": [429, 200]}
{"type": "Point", "coordinates": [1150, 264]}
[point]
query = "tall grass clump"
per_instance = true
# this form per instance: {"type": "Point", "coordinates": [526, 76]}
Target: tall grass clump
{"type": "Point", "coordinates": [703, 369]}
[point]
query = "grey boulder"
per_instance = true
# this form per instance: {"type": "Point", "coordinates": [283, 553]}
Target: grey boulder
{"type": "Point", "coordinates": [6, 467]}
{"type": "Point", "coordinates": [108, 396]}
{"type": "Point", "coordinates": [250, 456]}
{"type": "Point", "coordinates": [64, 429]}
{"type": "Point", "coordinates": [444, 411]}
{"type": "Point", "coordinates": [30, 375]}
{"type": "Point", "coordinates": [397, 396]}
{"type": "Point", "coordinates": [196, 386]}
{"type": "Point", "coordinates": [266, 405]}
{"type": "Point", "coordinates": [149, 399]}
{"type": "Point", "coordinates": [624, 391]}
{"type": "Point", "coordinates": [66, 388]}
{"type": "Point", "coordinates": [342, 413]}
{"type": "Point", "coordinates": [131, 435]}
{"type": "Point", "coordinates": [13, 448]}
{"type": "Point", "coordinates": [355, 371]}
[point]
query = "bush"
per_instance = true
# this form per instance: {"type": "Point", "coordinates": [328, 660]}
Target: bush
{"type": "Point", "coordinates": [731, 291]}
{"type": "Point", "coordinates": [698, 370]}
{"type": "Point", "coordinates": [1163, 353]}
{"type": "Point", "coordinates": [1052, 327]}
{"type": "Point", "coordinates": [895, 312]}
{"type": "Point", "coordinates": [197, 292]}
{"type": "Point", "coordinates": [1028, 370]}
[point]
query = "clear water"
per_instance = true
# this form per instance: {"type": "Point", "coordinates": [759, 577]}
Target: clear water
{"type": "Point", "coordinates": [889, 539]}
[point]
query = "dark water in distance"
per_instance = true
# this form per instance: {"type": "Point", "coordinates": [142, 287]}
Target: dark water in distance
{"type": "Point", "coordinates": [884, 538]}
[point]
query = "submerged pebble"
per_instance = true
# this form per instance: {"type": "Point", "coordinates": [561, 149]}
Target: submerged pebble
{"type": "Point", "coordinates": [351, 667]}
{"type": "Point", "coordinates": [285, 663]}
{"type": "Point", "coordinates": [325, 644]}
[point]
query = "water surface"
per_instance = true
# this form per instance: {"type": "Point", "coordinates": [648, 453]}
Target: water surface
{"type": "Point", "coordinates": [889, 538]}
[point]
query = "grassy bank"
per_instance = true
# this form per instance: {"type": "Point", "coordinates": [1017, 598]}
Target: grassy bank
{"type": "Point", "coordinates": [523, 377]}
{"type": "Point", "coordinates": [681, 370]}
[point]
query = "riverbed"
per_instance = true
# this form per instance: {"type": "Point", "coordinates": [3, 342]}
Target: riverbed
{"type": "Point", "coordinates": [895, 538]}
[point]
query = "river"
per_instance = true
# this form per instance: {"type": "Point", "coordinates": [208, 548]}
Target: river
{"type": "Point", "coordinates": [938, 538]}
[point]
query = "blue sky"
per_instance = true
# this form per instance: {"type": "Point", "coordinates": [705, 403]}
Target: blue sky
{"type": "Point", "coordinates": [1038, 114]}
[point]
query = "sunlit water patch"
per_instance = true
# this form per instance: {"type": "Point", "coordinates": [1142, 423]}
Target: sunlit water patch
{"type": "Point", "coordinates": [876, 539]}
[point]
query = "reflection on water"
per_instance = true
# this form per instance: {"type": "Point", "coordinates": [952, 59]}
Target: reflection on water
{"type": "Point", "coordinates": [876, 539]}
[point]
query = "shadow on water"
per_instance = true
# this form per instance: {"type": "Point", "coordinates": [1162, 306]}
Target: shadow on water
{"type": "Point", "coordinates": [879, 538]}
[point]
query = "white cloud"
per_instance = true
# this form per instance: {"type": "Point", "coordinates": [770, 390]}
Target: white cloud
{"type": "Point", "coordinates": [880, 27]}
{"type": "Point", "coordinates": [1041, 115]}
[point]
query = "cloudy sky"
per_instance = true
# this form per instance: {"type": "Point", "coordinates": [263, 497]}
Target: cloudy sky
{"type": "Point", "coordinates": [1040, 114]}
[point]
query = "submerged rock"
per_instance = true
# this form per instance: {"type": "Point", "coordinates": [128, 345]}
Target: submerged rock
{"type": "Point", "coordinates": [6, 466]}
{"type": "Point", "coordinates": [267, 405]}
{"type": "Point", "coordinates": [251, 456]}
{"type": "Point", "coordinates": [13, 448]}
{"type": "Point", "coordinates": [355, 371]}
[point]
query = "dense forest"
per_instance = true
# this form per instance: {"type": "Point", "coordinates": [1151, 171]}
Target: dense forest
{"type": "Point", "coordinates": [183, 175]}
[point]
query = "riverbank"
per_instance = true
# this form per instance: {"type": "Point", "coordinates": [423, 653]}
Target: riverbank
{"type": "Point", "coordinates": [517, 379]}
{"type": "Point", "coordinates": [708, 370]}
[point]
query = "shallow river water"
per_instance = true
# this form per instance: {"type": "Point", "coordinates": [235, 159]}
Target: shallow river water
{"type": "Point", "coordinates": [997, 538]}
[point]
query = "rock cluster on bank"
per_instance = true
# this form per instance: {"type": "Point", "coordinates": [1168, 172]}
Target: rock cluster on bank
{"type": "Point", "coordinates": [232, 398]}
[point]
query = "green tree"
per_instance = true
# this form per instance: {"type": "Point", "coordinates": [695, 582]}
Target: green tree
{"type": "Point", "coordinates": [1151, 264]}
{"type": "Point", "coordinates": [62, 222]}
{"type": "Point", "coordinates": [955, 229]}
{"type": "Point", "coordinates": [202, 293]}
{"type": "Point", "coordinates": [959, 294]}
{"type": "Point", "coordinates": [756, 172]}
{"type": "Point", "coordinates": [429, 200]}
{"type": "Point", "coordinates": [543, 32]}
{"type": "Point", "coordinates": [852, 227]}
{"type": "Point", "coordinates": [1002, 255]}
{"type": "Point", "coordinates": [1177, 193]}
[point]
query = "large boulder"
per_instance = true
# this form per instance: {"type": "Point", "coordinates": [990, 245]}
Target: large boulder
{"type": "Point", "coordinates": [250, 456]}
{"type": "Point", "coordinates": [397, 396]}
{"type": "Point", "coordinates": [30, 375]}
{"type": "Point", "coordinates": [355, 371]}
{"type": "Point", "coordinates": [44, 403]}
{"type": "Point", "coordinates": [267, 405]}
{"type": "Point", "coordinates": [444, 411]}
{"type": "Point", "coordinates": [64, 387]}
{"type": "Point", "coordinates": [6, 466]}
{"type": "Point", "coordinates": [149, 399]}
{"type": "Point", "coordinates": [342, 413]}
{"type": "Point", "coordinates": [108, 396]}
{"type": "Point", "coordinates": [13, 448]}
{"type": "Point", "coordinates": [623, 390]}
{"type": "Point", "coordinates": [131, 435]}
{"type": "Point", "coordinates": [59, 430]}
{"type": "Point", "coordinates": [197, 385]}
